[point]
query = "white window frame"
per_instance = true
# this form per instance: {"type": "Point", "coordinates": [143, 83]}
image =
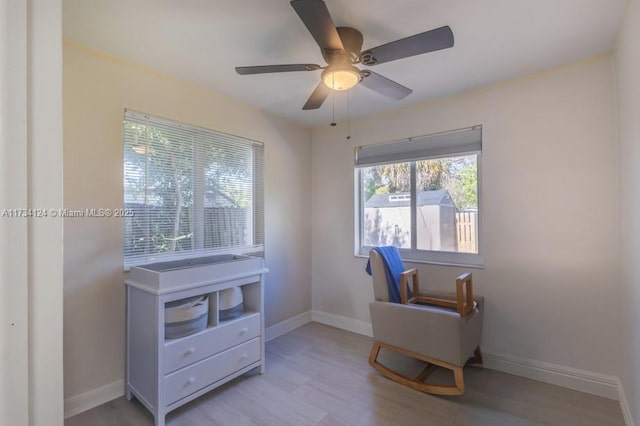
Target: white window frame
{"type": "Point", "coordinates": [454, 143]}
{"type": "Point", "coordinates": [257, 225]}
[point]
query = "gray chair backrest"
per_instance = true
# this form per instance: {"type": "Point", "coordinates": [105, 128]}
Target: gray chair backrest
{"type": "Point", "coordinates": [379, 277]}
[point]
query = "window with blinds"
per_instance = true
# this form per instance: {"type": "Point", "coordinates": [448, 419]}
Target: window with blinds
{"type": "Point", "coordinates": [189, 191]}
{"type": "Point", "coordinates": [422, 196]}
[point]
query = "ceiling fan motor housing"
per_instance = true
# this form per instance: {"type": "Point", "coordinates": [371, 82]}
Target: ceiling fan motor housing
{"type": "Point", "coordinates": [351, 41]}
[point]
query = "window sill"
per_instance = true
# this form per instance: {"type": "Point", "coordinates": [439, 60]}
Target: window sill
{"type": "Point", "coordinates": [364, 253]}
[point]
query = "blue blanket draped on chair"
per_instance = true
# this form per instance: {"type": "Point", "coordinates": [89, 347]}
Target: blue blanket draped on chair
{"type": "Point", "coordinates": [393, 268]}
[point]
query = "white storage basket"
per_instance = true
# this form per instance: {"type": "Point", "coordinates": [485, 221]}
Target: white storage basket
{"type": "Point", "coordinates": [231, 303]}
{"type": "Point", "coordinates": [186, 316]}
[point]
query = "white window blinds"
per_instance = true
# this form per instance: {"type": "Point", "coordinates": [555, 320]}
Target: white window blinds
{"type": "Point", "coordinates": [465, 141]}
{"type": "Point", "coordinates": [189, 191]}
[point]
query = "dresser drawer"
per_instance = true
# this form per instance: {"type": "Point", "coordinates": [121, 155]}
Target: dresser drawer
{"type": "Point", "coordinates": [180, 353]}
{"type": "Point", "coordinates": [184, 382]}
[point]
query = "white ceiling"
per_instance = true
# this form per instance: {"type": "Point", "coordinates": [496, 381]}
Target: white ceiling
{"type": "Point", "coordinates": [201, 41]}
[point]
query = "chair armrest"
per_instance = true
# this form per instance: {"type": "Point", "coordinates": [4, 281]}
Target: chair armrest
{"type": "Point", "coordinates": [461, 301]}
{"type": "Point", "coordinates": [404, 277]}
{"type": "Point", "coordinates": [478, 298]}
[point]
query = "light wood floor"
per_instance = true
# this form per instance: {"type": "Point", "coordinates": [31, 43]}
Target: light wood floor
{"type": "Point", "coordinates": [319, 375]}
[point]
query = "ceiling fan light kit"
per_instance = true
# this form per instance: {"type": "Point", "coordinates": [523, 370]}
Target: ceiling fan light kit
{"type": "Point", "coordinates": [341, 49]}
{"type": "Point", "coordinates": [339, 78]}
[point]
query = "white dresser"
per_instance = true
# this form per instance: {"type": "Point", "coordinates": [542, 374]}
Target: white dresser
{"type": "Point", "coordinates": [164, 374]}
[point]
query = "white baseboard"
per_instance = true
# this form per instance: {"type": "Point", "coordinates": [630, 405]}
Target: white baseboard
{"type": "Point", "coordinates": [287, 325]}
{"type": "Point", "coordinates": [624, 406]}
{"type": "Point", "coordinates": [88, 400]}
{"type": "Point", "coordinates": [567, 377]}
{"type": "Point", "coordinates": [345, 323]}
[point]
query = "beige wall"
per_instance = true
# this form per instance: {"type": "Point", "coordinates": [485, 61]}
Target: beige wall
{"type": "Point", "coordinates": [549, 213]}
{"type": "Point", "coordinates": [628, 84]}
{"type": "Point", "coordinates": [97, 89]}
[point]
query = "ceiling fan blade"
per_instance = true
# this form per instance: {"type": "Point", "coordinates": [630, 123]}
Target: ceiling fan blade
{"type": "Point", "coordinates": [429, 41]}
{"type": "Point", "coordinates": [262, 69]}
{"type": "Point", "coordinates": [317, 97]}
{"type": "Point", "coordinates": [384, 86]}
{"type": "Point", "coordinates": [315, 16]}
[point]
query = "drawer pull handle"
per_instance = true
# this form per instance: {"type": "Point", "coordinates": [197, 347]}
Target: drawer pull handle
{"type": "Point", "coordinates": [243, 331]}
{"type": "Point", "coordinates": [244, 356]}
{"type": "Point", "coordinates": [191, 381]}
{"type": "Point", "coordinates": [190, 351]}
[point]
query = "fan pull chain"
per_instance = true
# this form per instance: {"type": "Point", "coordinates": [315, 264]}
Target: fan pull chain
{"type": "Point", "coordinates": [333, 102]}
{"type": "Point", "coordinates": [348, 127]}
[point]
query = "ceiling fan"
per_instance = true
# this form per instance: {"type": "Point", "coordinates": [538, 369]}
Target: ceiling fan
{"type": "Point", "coordinates": [341, 49]}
